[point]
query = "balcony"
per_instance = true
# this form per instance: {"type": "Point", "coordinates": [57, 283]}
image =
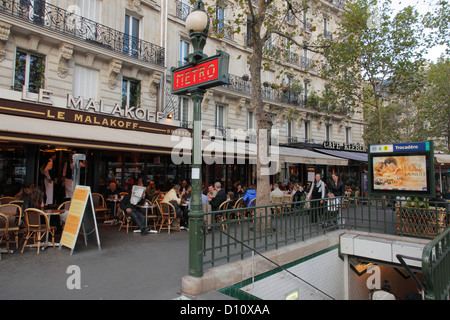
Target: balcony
{"type": "Point", "coordinates": [182, 10]}
{"type": "Point", "coordinates": [67, 23]}
{"type": "Point", "coordinates": [282, 95]}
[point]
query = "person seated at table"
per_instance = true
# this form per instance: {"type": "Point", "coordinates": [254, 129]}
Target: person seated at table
{"type": "Point", "coordinates": [239, 192]}
{"type": "Point", "coordinates": [174, 197]}
{"type": "Point", "coordinates": [151, 191]}
{"type": "Point", "coordinates": [250, 194]}
{"type": "Point", "coordinates": [219, 198]}
{"type": "Point", "coordinates": [276, 192]}
{"type": "Point", "coordinates": [36, 201]}
{"type": "Point", "coordinates": [129, 206]}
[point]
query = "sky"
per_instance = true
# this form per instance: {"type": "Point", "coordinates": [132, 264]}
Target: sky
{"type": "Point", "coordinates": [422, 6]}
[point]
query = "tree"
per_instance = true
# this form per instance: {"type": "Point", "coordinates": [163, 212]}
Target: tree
{"type": "Point", "coordinates": [263, 19]}
{"type": "Point", "coordinates": [375, 60]}
{"type": "Point", "coordinates": [434, 105]}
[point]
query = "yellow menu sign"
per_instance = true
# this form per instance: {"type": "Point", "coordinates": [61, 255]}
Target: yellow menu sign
{"type": "Point", "coordinates": [81, 212]}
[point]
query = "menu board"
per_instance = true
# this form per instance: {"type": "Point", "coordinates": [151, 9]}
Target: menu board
{"type": "Point", "coordinates": [81, 216]}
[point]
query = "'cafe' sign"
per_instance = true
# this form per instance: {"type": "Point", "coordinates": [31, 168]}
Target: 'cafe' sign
{"type": "Point", "coordinates": [344, 147]}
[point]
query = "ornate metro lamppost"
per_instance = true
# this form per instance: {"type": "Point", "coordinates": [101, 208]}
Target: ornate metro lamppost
{"type": "Point", "coordinates": [200, 73]}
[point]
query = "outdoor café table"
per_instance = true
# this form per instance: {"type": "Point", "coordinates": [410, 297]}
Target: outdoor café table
{"type": "Point", "coordinates": [49, 213]}
{"type": "Point", "coordinates": [146, 207]}
{"type": "Point", "coordinates": [115, 201]}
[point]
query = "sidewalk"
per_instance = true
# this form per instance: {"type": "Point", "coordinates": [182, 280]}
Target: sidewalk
{"type": "Point", "coordinates": [128, 266]}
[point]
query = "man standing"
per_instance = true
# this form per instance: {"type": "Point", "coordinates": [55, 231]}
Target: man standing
{"type": "Point", "coordinates": [316, 192]}
{"type": "Point", "coordinates": [49, 177]}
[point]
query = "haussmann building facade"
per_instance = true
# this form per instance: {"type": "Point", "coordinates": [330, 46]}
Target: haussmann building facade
{"type": "Point", "coordinates": [93, 77]}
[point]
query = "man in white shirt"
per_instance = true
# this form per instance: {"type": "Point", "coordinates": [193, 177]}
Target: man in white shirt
{"type": "Point", "coordinates": [276, 192]}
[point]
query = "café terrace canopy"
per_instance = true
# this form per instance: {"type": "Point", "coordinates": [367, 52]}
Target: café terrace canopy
{"type": "Point", "coordinates": [41, 131]}
{"type": "Point", "coordinates": [442, 160]}
{"type": "Point", "coordinates": [356, 156]}
{"type": "Point", "coordinates": [305, 156]}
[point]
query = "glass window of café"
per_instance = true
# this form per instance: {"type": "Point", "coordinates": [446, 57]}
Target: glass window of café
{"type": "Point", "coordinates": [13, 168]}
{"type": "Point", "coordinates": [129, 168]}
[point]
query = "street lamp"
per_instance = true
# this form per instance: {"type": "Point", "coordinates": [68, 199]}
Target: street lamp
{"type": "Point", "coordinates": [197, 24]}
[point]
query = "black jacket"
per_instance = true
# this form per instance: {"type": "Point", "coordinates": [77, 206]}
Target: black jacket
{"type": "Point", "coordinates": [220, 197]}
{"type": "Point", "coordinates": [338, 190]}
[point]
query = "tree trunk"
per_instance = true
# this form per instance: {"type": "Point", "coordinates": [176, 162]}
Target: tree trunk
{"type": "Point", "coordinates": [263, 126]}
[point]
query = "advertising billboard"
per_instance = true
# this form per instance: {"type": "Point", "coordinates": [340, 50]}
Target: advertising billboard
{"type": "Point", "coordinates": [404, 169]}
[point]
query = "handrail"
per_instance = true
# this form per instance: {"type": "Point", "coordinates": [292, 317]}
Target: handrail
{"type": "Point", "coordinates": [436, 266]}
{"type": "Point", "coordinates": [271, 261]}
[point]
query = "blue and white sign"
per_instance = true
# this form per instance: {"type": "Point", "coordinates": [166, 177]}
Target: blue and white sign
{"type": "Point", "coordinates": [400, 147]}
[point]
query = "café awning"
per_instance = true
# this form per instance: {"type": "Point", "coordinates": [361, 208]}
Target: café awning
{"type": "Point", "coordinates": [356, 156]}
{"type": "Point", "coordinates": [305, 156]}
{"type": "Point", "coordinates": [40, 131]}
{"type": "Point", "coordinates": [442, 160]}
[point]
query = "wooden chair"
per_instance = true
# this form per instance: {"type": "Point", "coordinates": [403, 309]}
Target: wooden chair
{"type": "Point", "coordinates": [250, 208]}
{"type": "Point", "coordinates": [167, 218]}
{"type": "Point", "coordinates": [6, 200]}
{"type": "Point", "coordinates": [4, 233]}
{"type": "Point", "coordinates": [222, 217]}
{"type": "Point", "coordinates": [126, 220]}
{"type": "Point", "coordinates": [277, 201]}
{"type": "Point", "coordinates": [64, 206]}
{"type": "Point", "coordinates": [100, 205]}
{"type": "Point", "coordinates": [36, 229]}
{"type": "Point", "coordinates": [237, 205]}
{"type": "Point", "coordinates": [153, 216]}
{"type": "Point", "coordinates": [18, 202]}
{"type": "Point", "coordinates": [15, 221]}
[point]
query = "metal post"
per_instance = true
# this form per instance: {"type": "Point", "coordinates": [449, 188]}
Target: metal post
{"type": "Point", "coordinates": [196, 214]}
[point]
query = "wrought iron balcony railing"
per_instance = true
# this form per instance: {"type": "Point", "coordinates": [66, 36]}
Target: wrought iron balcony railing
{"type": "Point", "coordinates": [183, 10]}
{"type": "Point", "coordinates": [70, 24]}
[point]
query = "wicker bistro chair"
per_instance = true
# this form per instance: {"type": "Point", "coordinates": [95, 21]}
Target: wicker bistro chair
{"type": "Point", "coordinates": [15, 220]}
{"type": "Point", "coordinates": [222, 217]}
{"type": "Point", "coordinates": [36, 229]}
{"type": "Point", "coordinates": [277, 201]}
{"type": "Point", "coordinates": [237, 205]}
{"type": "Point", "coordinates": [168, 216]}
{"type": "Point", "coordinates": [6, 200]}
{"type": "Point", "coordinates": [100, 205]}
{"type": "Point", "coordinates": [4, 233]}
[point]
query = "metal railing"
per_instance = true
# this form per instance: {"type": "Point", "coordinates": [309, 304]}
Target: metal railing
{"type": "Point", "coordinates": [269, 227]}
{"type": "Point", "coordinates": [436, 267]}
{"type": "Point", "coordinates": [68, 23]}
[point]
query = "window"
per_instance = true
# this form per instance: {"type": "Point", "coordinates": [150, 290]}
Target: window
{"type": "Point", "coordinates": [251, 132]}
{"type": "Point", "coordinates": [348, 135]}
{"type": "Point", "coordinates": [184, 52]}
{"type": "Point", "coordinates": [90, 9]}
{"type": "Point", "coordinates": [307, 131]}
{"type": "Point", "coordinates": [131, 93]}
{"type": "Point", "coordinates": [220, 120]}
{"type": "Point", "coordinates": [29, 71]}
{"type": "Point", "coordinates": [85, 83]}
{"type": "Point", "coordinates": [131, 37]}
{"type": "Point", "coordinates": [183, 110]}
{"type": "Point", "coordinates": [249, 34]}
{"type": "Point", "coordinates": [220, 19]}
{"type": "Point", "coordinates": [290, 132]}
{"type": "Point", "coordinates": [328, 132]}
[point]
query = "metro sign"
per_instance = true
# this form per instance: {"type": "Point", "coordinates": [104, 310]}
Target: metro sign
{"type": "Point", "coordinates": [207, 73]}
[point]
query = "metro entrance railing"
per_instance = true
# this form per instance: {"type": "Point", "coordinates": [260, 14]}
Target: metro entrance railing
{"type": "Point", "coordinates": [264, 228]}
